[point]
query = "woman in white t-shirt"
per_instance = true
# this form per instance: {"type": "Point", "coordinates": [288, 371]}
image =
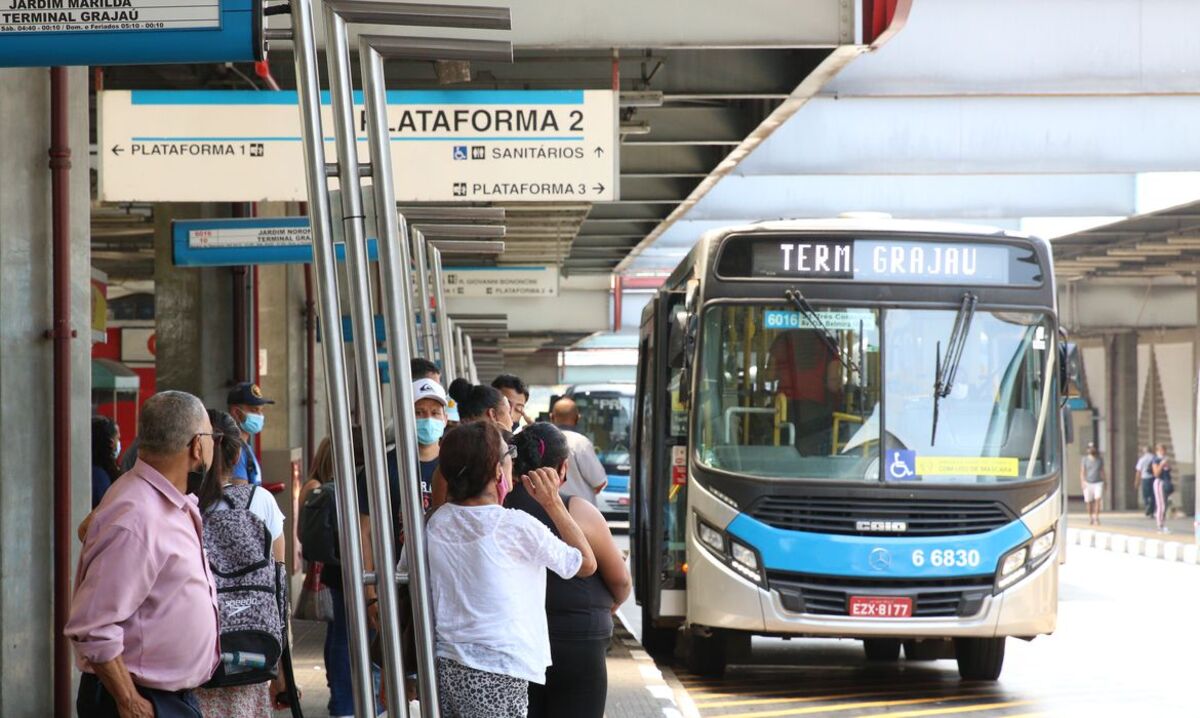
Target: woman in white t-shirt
{"type": "Point", "coordinates": [487, 567]}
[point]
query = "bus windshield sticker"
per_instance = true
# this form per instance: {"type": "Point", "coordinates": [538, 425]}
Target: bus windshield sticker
{"type": "Point", "coordinates": [901, 465]}
{"type": "Point", "coordinates": [885, 260]}
{"type": "Point", "coordinates": [832, 320]}
{"type": "Point", "coordinates": [967, 466]}
{"type": "Point", "coordinates": [905, 465]}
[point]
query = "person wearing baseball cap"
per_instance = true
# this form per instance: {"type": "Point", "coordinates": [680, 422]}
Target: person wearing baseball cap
{"type": "Point", "coordinates": [429, 410]}
{"type": "Point", "coordinates": [245, 402]}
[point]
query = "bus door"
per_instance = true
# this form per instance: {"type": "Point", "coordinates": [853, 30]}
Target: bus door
{"type": "Point", "coordinates": [660, 504]}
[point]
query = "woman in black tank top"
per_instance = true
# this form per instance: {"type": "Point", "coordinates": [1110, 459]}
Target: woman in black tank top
{"type": "Point", "coordinates": [579, 611]}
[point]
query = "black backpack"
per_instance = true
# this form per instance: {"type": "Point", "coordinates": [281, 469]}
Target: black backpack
{"type": "Point", "coordinates": [251, 591]}
{"type": "Point", "coordinates": [318, 526]}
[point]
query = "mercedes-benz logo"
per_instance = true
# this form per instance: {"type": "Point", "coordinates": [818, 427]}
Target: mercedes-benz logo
{"type": "Point", "coordinates": [880, 559]}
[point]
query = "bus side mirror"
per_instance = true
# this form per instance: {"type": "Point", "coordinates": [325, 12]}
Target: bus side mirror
{"type": "Point", "coordinates": [690, 324]}
{"type": "Point", "coordinates": [1070, 368]}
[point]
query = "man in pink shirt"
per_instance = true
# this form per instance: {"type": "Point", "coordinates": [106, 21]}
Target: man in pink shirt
{"type": "Point", "coordinates": [144, 614]}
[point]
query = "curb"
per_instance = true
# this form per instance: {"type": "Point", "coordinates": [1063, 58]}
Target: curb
{"type": "Point", "coordinates": [1173, 551]}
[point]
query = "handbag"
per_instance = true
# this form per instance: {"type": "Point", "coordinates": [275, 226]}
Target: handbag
{"type": "Point", "coordinates": [315, 603]}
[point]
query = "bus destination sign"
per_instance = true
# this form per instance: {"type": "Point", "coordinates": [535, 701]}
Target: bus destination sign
{"type": "Point", "coordinates": [881, 260]}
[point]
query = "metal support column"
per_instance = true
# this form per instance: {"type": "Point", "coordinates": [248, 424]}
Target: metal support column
{"type": "Point", "coordinates": [422, 265]}
{"type": "Point", "coordinates": [445, 336]}
{"type": "Point", "coordinates": [336, 382]}
{"type": "Point", "coordinates": [341, 88]}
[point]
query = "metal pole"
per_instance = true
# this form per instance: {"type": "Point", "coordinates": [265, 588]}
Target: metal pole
{"type": "Point", "coordinates": [421, 253]}
{"type": "Point", "coordinates": [336, 385]}
{"type": "Point", "coordinates": [460, 352]}
{"type": "Point", "coordinates": [337, 52]}
{"type": "Point", "coordinates": [470, 350]}
{"type": "Point", "coordinates": [449, 368]}
{"type": "Point", "coordinates": [396, 285]}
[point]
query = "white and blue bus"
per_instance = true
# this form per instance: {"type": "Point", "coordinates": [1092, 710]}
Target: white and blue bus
{"type": "Point", "coordinates": [850, 428]}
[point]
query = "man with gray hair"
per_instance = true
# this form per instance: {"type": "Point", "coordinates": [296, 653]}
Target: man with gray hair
{"type": "Point", "coordinates": [144, 614]}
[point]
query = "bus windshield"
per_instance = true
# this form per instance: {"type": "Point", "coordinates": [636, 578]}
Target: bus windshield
{"type": "Point", "coordinates": [605, 417]}
{"type": "Point", "coordinates": [787, 393]}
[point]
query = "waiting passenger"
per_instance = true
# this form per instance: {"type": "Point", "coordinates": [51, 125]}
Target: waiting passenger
{"type": "Point", "coordinates": [245, 406]}
{"type": "Point", "coordinates": [586, 476]}
{"type": "Point", "coordinates": [487, 568]}
{"type": "Point", "coordinates": [518, 396]}
{"type": "Point", "coordinates": [424, 369]}
{"type": "Point", "coordinates": [106, 447]}
{"type": "Point", "coordinates": [475, 403]}
{"type": "Point", "coordinates": [143, 616]}
{"type": "Point", "coordinates": [579, 610]}
{"type": "Point", "coordinates": [255, 700]}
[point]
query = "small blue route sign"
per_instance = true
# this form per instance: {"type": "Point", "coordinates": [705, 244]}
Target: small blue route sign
{"type": "Point", "coordinates": [44, 33]}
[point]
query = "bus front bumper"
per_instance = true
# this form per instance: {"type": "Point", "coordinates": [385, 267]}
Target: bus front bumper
{"type": "Point", "coordinates": [1027, 608]}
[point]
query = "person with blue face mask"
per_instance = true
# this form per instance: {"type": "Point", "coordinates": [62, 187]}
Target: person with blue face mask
{"type": "Point", "coordinates": [246, 403]}
{"type": "Point", "coordinates": [429, 406]}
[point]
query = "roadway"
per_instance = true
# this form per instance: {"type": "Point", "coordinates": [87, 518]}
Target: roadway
{"type": "Point", "coordinates": [1127, 643]}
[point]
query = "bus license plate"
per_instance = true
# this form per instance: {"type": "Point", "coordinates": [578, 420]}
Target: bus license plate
{"type": "Point", "coordinates": [880, 607]}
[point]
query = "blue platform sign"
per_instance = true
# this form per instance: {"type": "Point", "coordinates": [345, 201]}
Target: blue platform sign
{"type": "Point", "coordinates": [42, 33]}
{"type": "Point", "coordinates": [238, 242]}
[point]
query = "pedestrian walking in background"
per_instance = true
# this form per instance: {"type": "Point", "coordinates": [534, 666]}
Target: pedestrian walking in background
{"type": "Point", "coordinates": [487, 570]}
{"type": "Point", "coordinates": [579, 611]}
{"type": "Point", "coordinates": [144, 612]}
{"type": "Point", "coordinates": [586, 476]}
{"type": "Point", "coordinates": [106, 447]}
{"type": "Point", "coordinates": [1143, 476]}
{"type": "Point", "coordinates": [1091, 476]}
{"type": "Point", "coordinates": [1163, 488]}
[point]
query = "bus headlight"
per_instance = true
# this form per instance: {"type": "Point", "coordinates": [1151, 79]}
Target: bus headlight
{"type": "Point", "coordinates": [1013, 567]}
{"type": "Point", "coordinates": [712, 538]}
{"type": "Point", "coordinates": [745, 556]}
{"type": "Point", "coordinates": [1041, 545]}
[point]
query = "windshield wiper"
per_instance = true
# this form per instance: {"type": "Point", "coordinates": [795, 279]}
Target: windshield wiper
{"type": "Point", "coordinates": [947, 367]}
{"type": "Point", "coordinates": [806, 310]}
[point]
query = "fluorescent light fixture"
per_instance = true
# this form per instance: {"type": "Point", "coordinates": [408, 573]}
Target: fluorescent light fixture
{"type": "Point", "coordinates": [643, 98]}
{"type": "Point", "coordinates": [635, 128]}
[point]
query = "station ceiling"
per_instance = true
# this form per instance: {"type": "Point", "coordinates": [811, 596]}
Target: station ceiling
{"type": "Point", "coordinates": [1158, 244]}
{"type": "Point", "coordinates": [709, 86]}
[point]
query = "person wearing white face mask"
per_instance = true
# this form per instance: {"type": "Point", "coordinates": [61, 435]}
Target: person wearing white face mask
{"type": "Point", "coordinates": [245, 406]}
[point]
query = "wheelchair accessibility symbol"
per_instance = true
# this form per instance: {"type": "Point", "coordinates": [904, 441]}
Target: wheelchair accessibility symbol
{"type": "Point", "coordinates": [901, 464]}
{"type": "Point", "coordinates": [460, 152]}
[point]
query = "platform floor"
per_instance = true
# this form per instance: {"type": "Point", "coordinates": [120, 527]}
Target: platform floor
{"type": "Point", "coordinates": [637, 688]}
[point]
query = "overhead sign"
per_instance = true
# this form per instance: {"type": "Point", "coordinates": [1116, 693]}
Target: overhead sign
{"type": "Point", "coordinates": [237, 242]}
{"type": "Point", "coordinates": [113, 32]}
{"type": "Point", "coordinates": [502, 281]}
{"type": "Point", "coordinates": [447, 145]}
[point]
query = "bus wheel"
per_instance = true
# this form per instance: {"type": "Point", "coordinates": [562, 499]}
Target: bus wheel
{"type": "Point", "coordinates": [706, 655]}
{"type": "Point", "coordinates": [979, 659]}
{"type": "Point", "coordinates": [882, 650]}
{"type": "Point", "coordinates": [658, 642]}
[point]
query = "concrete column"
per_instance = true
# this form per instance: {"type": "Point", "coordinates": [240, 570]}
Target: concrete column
{"type": "Point", "coordinates": [193, 313]}
{"type": "Point", "coordinates": [1122, 425]}
{"type": "Point", "coordinates": [26, 508]}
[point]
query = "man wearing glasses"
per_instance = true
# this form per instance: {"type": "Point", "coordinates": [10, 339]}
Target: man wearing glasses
{"type": "Point", "coordinates": [144, 613]}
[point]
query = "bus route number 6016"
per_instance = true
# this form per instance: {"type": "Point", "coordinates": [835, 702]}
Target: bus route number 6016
{"type": "Point", "coordinates": [947, 557]}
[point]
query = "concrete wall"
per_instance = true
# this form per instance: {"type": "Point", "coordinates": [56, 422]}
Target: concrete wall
{"type": "Point", "coordinates": [193, 313]}
{"type": "Point", "coordinates": [26, 421]}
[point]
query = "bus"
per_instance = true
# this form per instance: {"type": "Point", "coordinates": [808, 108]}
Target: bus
{"type": "Point", "coordinates": [850, 428]}
{"type": "Point", "coordinates": [605, 414]}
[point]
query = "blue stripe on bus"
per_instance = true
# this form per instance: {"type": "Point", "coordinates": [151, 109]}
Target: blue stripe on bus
{"type": "Point", "coordinates": [617, 484]}
{"type": "Point", "coordinates": [834, 555]}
